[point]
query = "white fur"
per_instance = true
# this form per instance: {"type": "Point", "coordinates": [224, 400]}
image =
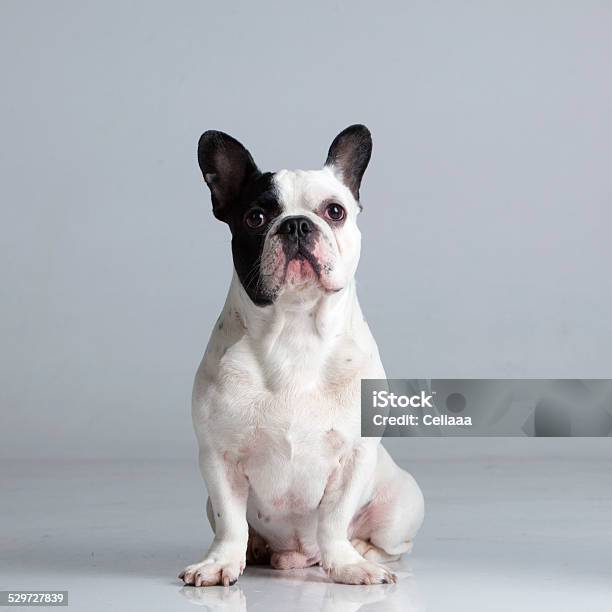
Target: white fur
{"type": "Point", "coordinates": [276, 409]}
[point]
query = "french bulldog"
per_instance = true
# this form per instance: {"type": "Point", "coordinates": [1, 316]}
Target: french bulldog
{"type": "Point", "coordinates": [276, 399]}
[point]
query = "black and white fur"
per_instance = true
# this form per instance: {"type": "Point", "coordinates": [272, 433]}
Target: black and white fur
{"type": "Point", "coordinates": [276, 400]}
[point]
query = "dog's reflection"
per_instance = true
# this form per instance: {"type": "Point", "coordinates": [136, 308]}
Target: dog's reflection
{"type": "Point", "coordinates": [216, 598]}
{"type": "Point", "coordinates": [264, 588]}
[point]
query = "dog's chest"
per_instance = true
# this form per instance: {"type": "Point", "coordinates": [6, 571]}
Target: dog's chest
{"type": "Point", "coordinates": [289, 444]}
{"type": "Point", "coordinates": [288, 462]}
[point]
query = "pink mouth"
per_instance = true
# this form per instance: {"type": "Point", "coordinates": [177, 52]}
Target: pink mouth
{"type": "Point", "coordinates": [300, 269]}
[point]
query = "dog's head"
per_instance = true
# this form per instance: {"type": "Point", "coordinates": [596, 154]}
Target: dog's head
{"type": "Point", "coordinates": [292, 231]}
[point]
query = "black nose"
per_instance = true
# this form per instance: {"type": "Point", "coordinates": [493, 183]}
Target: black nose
{"type": "Point", "coordinates": [295, 227]}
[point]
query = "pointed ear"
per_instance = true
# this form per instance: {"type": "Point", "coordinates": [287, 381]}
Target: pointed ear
{"type": "Point", "coordinates": [226, 166]}
{"type": "Point", "coordinates": [349, 155]}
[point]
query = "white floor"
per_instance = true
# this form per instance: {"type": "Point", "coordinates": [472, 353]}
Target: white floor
{"type": "Point", "coordinates": [510, 525]}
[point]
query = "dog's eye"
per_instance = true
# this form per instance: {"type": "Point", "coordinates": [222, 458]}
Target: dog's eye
{"type": "Point", "coordinates": [255, 218]}
{"type": "Point", "coordinates": [334, 211]}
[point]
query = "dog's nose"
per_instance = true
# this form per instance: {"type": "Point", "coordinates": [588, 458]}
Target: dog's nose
{"type": "Point", "coordinates": [295, 227]}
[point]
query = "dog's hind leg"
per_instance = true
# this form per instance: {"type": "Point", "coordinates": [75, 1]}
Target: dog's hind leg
{"type": "Point", "coordinates": [385, 527]}
{"type": "Point", "coordinates": [371, 552]}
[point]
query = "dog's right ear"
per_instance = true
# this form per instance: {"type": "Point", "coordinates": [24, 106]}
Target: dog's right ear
{"type": "Point", "coordinates": [226, 166]}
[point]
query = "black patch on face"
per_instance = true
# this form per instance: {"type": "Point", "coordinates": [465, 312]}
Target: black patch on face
{"type": "Point", "coordinates": [237, 186]}
{"type": "Point", "coordinates": [248, 243]}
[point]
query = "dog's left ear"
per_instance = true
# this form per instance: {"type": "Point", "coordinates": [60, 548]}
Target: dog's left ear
{"type": "Point", "coordinates": [349, 155]}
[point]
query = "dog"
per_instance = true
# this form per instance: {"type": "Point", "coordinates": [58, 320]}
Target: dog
{"type": "Point", "coordinates": [276, 399]}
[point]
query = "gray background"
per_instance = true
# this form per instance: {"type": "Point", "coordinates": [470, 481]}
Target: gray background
{"type": "Point", "coordinates": [486, 253]}
{"type": "Point", "coordinates": [486, 217]}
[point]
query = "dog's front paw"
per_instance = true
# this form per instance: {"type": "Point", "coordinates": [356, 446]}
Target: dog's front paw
{"type": "Point", "coordinates": [362, 572]}
{"type": "Point", "coordinates": [213, 571]}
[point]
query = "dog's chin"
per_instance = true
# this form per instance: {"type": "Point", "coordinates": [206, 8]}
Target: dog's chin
{"type": "Point", "coordinates": [298, 280]}
{"type": "Point", "coordinates": [304, 279]}
{"type": "Point", "coordinates": [299, 273]}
